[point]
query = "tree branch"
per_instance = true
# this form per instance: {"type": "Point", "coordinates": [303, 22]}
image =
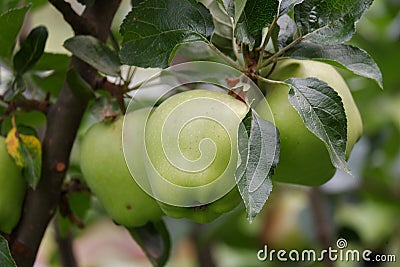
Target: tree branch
{"type": "Point", "coordinates": [321, 220]}
{"type": "Point", "coordinates": [79, 24]}
{"type": "Point", "coordinates": [31, 104]}
{"type": "Point", "coordinates": [203, 248]}
{"type": "Point", "coordinates": [63, 120]}
{"type": "Point", "coordinates": [65, 247]}
{"type": "Point", "coordinates": [26, 105]}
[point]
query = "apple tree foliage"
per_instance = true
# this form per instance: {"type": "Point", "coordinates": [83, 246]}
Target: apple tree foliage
{"type": "Point", "coordinates": [247, 35]}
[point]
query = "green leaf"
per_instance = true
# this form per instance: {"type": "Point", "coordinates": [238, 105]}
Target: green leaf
{"type": "Point", "coordinates": [80, 203]}
{"type": "Point", "coordinates": [196, 52]}
{"type": "Point", "coordinates": [50, 61]}
{"type": "Point", "coordinates": [222, 36]}
{"type": "Point", "coordinates": [227, 5]}
{"type": "Point", "coordinates": [287, 5]}
{"type": "Point", "coordinates": [329, 21]}
{"type": "Point", "coordinates": [31, 50]}
{"type": "Point", "coordinates": [26, 122]}
{"type": "Point", "coordinates": [136, 2]}
{"type": "Point", "coordinates": [234, 8]}
{"type": "Point", "coordinates": [259, 155]}
{"type": "Point", "coordinates": [73, 210]}
{"type": "Point", "coordinates": [7, 4]}
{"type": "Point", "coordinates": [154, 239]}
{"type": "Point", "coordinates": [26, 150]}
{"type": "Point", "coordinates": [222, 22]}
{"type": "Point", "coordinates": [256, 16]}
{"type": "Point", "coordinates": [6, 259]}
{"type": "Point", "coordinates": [244, 36]}
{"type": "Point", "coordinates": [344, 56]}
{"type": "Point", "coordinates": [95, 53]}
{"type": "Point", "coordinates": [287, 31]}
{"type": "Point", "coordinates": [50, 84]}
{"type": "Point", "coordinates": [50, 71]}
{"type": "Point", "coordinates": [153, 30]}
{"type": "Point", "coordinates": [274, 37]}
{"type": "Point", "coordinates": [15, 89]}
{"type": "Point", "coordinates": [322, 111]}
{"type": "Point", "coordinates": [10, 25]}
{"type": "Point", "coordinates": [79, 87]}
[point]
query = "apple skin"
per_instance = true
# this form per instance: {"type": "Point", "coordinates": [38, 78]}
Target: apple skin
{"type": "Point", "coordinates": [304, 158]}
{"type": "Point", "coordinates": [205, 213]}
{"type": "Point", "coordinates": [12, 190]}
{"type": "Point", "coordinates": [107, 175]}
{"type": "Point", "coordinates": [191, 136]}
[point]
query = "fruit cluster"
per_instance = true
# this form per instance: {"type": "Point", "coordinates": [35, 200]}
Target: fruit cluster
{"type": "Point", "coordinates": [304, 159]}
{"type": "Point", "coordinates": [185, 152]}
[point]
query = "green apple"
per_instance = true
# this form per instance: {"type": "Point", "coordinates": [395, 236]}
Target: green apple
{"type": "Point", "coordinates": [12, 190]}
{"type": "Point", "coordinates": [107, 175]}
{"type": "Point", "coordinates": [191, 143]}
{"type": "Point", "coordinates": [304, 158]}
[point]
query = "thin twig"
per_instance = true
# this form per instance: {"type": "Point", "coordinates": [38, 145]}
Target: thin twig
{"type": "Point", "coordinates": [131, 74]}
{"type": "Point", "coordinates": [234, 45]}
{"type": "Point", "coordinates": [271, 70]}
{"type": "Point", "coordinates": [267, 38]}
{"type": "Point", "coordinates": [31, 104]}
{"type": "Point", "coordinates": [280, 52]}
{"type": "Point", "coordinates": [226, 58]}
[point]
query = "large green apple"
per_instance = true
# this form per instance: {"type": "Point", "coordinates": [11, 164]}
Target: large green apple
{"type": "Point", "coordinates": [12, 190]}
{"type": "Point", "coordinates": [107, 175]}
{"type": "Point", "coordinates": [304, 158]}
{"type": "Point", "coordinates": [191, 142]}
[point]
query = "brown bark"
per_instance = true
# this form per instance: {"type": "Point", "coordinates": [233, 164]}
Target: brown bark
{"type": "Point", "coordinates": [63, 120]}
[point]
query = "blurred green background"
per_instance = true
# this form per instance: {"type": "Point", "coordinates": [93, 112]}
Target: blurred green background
{"type": "Point", "coordinates": [364, 209]}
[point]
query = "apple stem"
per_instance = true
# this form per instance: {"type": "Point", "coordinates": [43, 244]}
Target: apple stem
{"type": "Point", "coordinates": [281, 52]}
{"type": "Point", "coordinates": [266, 80]}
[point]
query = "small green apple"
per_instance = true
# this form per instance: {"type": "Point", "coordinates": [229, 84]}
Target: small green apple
{"type": "Point", "coordinates": [191, 142]}
{"type": "Point", "coordinates": [107, 175]}
{"type": "Point", "coordinates": [12, 190]}
{"type": "Point", "coordinates": [304, 158]}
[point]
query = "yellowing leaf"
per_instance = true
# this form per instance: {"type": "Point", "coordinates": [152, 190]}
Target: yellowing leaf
{"type": "Point", "coordinates": [13, 147]}
{"type": "Point", "coordinates": [26, 150]}
{"type": "Point", "coordinates": [33, 143]}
